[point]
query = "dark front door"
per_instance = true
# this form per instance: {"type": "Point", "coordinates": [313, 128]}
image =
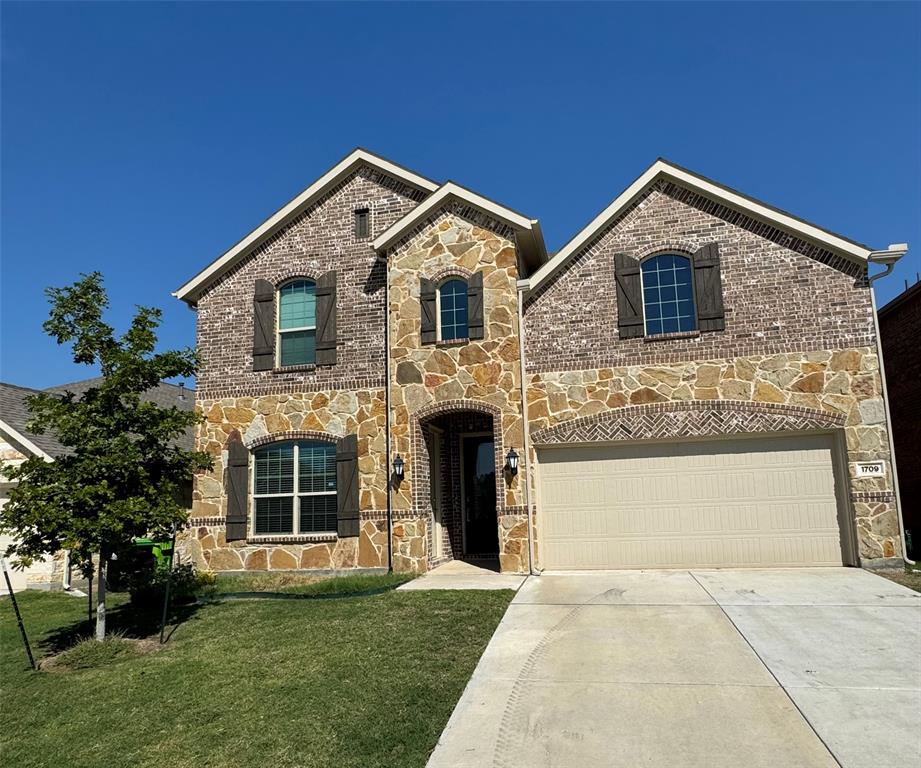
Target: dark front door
{"type": "Point", "coordinates": [480, 523]}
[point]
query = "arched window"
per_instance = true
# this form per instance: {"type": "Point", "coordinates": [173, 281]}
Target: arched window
{"type": "Point", "coordinates": [452, 310]}
{"type": "Point", "coordinates": [294, 488]}
{"type": "Point", "coordinates": [668, 294]}
{"type": "Point", "coordinates": [297, 323]}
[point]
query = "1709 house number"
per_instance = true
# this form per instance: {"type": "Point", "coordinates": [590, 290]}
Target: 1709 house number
{"type": "Point", "coordinates": [869, 469]}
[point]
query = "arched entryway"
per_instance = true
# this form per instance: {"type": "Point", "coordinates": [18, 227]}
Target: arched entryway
{"type": "Point", "coordinates": [459, 481]}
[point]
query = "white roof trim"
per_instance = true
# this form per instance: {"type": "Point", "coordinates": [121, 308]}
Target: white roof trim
{"type": "Point", "coordinates": [451, 190]}
{"type": "Point", "coordinates": [662, 168]}
{"type": "Point", "coordinates": [189, 292]}
{"type": "Point", "coordinates": [24, 441]}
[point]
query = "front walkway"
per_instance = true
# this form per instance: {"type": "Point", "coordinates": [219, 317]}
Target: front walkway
{"type": "Point", "coordinates": [794, 668]}
{"type": "Point", "coordinates": [458, 574]}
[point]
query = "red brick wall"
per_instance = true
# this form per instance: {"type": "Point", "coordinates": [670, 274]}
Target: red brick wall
{"type": "Point", "coordinates": [900, 331]}
{"type": "Point", "coordinates": [320, 239]}
{"type": "Point", "coordinates": [780, 294]}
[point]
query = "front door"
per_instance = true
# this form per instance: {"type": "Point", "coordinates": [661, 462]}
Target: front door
{"type": "Point", "coordinates": [481, 531]}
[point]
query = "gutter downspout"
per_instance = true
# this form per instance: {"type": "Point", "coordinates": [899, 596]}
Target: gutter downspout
{"type": "Point", "coordinates": [383, 260]}
{"type": "Point", "coordinates": [526, 449]}
{"type": "Point", "coordinates": [890, 264]}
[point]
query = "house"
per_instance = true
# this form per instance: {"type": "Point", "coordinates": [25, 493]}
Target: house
{"type": "Point", "coordinates": [17, 443]}
{"type": "Point", "coordinates": [396, 372]}
{"type": "Point", "coordinates": [899, 330]}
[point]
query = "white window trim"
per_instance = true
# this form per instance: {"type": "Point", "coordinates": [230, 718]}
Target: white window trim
{"type": "Point", "coordinates": [690, 260]}
{"type": "Point", "coordinates": [438, 334]}
{"type": "Point", "coordinates": [278, 329]}
{"type": "Point", "coordinates": [296, 505]}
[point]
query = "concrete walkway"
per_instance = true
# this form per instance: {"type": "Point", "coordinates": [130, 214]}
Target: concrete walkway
{"type": "Point", "coordinates": [458, 574]}
{"type": "Point", "coordinates": [794, 668]}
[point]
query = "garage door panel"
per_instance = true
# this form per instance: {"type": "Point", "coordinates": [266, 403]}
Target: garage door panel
{"type": "Point", "coordinates": [754, 502]}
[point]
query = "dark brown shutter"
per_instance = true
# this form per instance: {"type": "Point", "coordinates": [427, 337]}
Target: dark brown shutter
{"type": "Point", "coordinates": [236, 483]}
{"type": "Point", "coordinates": [708, 289]}
{"type": "Point", "coordinates": [475, 306]}
{"type": "Point", "coordinates": [263, 326]}
{"type": "Point", "coordinates": [347, 485]}
{"type": "Point", "coordinates": [427, 301]}
{"type": "Point", "coordinates": [629, 296]}
{"type": "Point", "coordinates": [326, 319]}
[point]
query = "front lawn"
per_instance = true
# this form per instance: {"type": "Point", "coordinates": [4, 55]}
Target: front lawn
{"type": "Point", "coordinates": [325, 679]}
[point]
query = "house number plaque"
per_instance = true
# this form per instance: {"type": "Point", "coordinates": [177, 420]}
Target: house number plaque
{"type": "Point", "coordinates": [869, 469]}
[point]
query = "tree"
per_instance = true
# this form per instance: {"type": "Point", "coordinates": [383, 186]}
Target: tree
{"type": "Point", "coordinates": [123, 471]}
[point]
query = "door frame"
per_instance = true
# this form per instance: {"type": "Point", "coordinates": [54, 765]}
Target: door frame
{"type": "Point", "coordinates": [463, 490]}
{"type": "Point", "coordinates": [436, 490]}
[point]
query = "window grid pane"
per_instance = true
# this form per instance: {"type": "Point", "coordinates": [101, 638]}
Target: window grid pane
{"type": "Point", "coordinates": [318, 513]}
{"type": "Point", "coordinates": [668, 300]}
{"type": "Point", "coordinates": [274, 515]}
{"type": "Point", "coordinates": [453, 299]}
{"type": "Point", "coordinates": [297, 305]}
{"type": "Point", "coordinates": [316, 468]}
{"type": "Point", "coordinates": [275, 469]}
{"type": "Point", "coordinates": [298, 348]}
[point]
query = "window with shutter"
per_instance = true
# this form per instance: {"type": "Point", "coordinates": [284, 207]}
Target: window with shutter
{"type": "Point", "coordinates": [362, 224]}
{"type": "Point", "coordinates": [452, 310]}
{"type": "Point", "coordinates": [294, 488]}
{"type": "Point", "coordinates": [668, 294]}
{"type": "Point", "coordinates": [297, 323]}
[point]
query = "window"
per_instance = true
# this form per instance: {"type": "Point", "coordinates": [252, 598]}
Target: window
{"type": "Point", "coordinates": [297, 323]}
{"type": "Point", "coordinates": [668, 295]}
{"type": "Point", "coordinates": [362, 223]}
{"type": "Point", "coordinates": [294, 488]}
{"type": "Point", "coordinates": [452, 310]}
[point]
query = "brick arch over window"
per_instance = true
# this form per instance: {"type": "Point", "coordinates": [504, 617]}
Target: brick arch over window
{"type": "Point", "coordinates": [695, 418]}
{"type": "Point", "coordinates": [679, 247]}
{"type": "Point", "coordinates": [289, 274]}
{"type": "Point", "coordinates": [291, 434]}
{"type": "Point", "coordinates": [419, 460]}
{"type": "Point", "coordinates": [449, 272]}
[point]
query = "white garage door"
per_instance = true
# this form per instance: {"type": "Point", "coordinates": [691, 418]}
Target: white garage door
{"type": "Point", "coordinates": [740, 502]}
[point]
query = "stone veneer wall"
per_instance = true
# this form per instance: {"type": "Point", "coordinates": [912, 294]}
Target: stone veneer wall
{"type": "Point", "coordinates": [829, 390]}
{"type": "Point", "coordinates": [433, 381]}
{"type": "Point", "coordinates": [325, 415]}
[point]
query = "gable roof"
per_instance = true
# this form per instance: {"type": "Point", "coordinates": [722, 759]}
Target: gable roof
{"type": "Point", "coordinates": [192, 290]}
{"type": "Point", "coordinates": [528, 232]}
{"type": "Point", "coordinates": [14, 415]}
{"type": "Point", "coordinates": [726, 195]}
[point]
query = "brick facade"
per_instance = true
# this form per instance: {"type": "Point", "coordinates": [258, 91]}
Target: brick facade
{"type": "Point", "coordinates": [797, 354]}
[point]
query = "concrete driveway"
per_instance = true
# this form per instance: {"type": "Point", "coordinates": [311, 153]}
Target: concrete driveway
{"type": "Point", "coordinates": [797, 667]}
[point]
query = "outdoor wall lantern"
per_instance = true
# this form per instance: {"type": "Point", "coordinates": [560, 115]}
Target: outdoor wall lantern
{"type": "Point", "coordinates": [398, 467]}
{"type": "Point", "coordinates": [511, 461]}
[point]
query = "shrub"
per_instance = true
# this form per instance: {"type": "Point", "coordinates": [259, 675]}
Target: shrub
{"type": "Point", "coordinates": [148, 585]}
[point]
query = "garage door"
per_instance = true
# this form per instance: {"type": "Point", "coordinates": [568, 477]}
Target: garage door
{"type": "Point", "coordinates": [741, 502]}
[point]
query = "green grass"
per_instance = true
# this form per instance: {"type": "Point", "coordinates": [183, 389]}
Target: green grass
{"type": "Point", "coordinates": [88, 653]}
{"type": "Point", "coordinates": [353, 680]}
{"type": "Point", "coordinates": [301, 584]}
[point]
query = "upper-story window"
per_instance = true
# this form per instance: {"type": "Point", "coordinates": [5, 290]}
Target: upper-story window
{"type": "Point", "coordinates": [452, 310]}
{"type": "Point", "coordinates": [668, 294]}
{"type": "Point", "coordinates": [297, 323]}
{"type": "Point", "coordinates": [362, 223]}
{"type": "Point", "coordinates": [294, 488]}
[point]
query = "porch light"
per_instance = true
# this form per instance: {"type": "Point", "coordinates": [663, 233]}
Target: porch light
{"type": "Point", "coordinates": [398, 467]}
{"type": "Point", "coordinates": [511, 461]}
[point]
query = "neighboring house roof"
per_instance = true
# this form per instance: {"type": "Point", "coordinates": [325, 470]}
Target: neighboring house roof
{"type": "Point", "coordinates": [15, 414]}
{"type": "Point", "coordinates": [664, 169]}
{"type": "Point", "coordinates": [909, 294]}
{"type": "Point", "coordinates": [192, 290]}
{"type": "Point", "coordinates": [528, 232]}
{"type": "Point", "coordinates": [164, 395]}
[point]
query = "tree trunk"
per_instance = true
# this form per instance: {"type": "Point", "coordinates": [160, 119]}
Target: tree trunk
{"type": "Point", "coordinates": [101, 596]}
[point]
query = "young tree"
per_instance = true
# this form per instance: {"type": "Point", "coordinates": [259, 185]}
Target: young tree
{"type": "Point", "coordinates": [123, 470]}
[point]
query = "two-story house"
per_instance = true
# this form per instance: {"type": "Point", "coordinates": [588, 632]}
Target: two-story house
{"type": "Point", "coordinates": [395, 371]}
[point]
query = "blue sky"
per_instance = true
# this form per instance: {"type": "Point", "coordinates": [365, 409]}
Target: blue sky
{"type": "Point", "coordinates": [142, 140]}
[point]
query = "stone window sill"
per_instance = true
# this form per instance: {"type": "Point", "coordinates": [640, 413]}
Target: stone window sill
{"type": "Point", "coordinates": [671, 336]}
{"type": "Point", "coordinates": [452, 343]}
{"type": "Point", "coordinates": [306, 538]}
{"type": "Point", "coordinates": [311, 368]}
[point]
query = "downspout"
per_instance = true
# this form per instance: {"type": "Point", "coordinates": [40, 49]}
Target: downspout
{"type": "Point", "coordinates": [526, 448]}
{"type": "Point", "coordinates": [889, 259]}
{"type": "Point", "coordinates": [383, 260]}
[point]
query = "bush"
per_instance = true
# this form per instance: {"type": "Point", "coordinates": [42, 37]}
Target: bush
{"type": "Point", "coordinates": [148, 585]}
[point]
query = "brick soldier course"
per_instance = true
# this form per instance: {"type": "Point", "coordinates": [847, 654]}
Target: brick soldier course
{"type": "Point", "coordinates": [785, 343]}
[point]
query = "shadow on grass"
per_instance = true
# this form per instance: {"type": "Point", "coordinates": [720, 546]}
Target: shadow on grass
{"type": "Point", "coordinates": [341, 595]}
{"type": "Point", "coordinates": [126, 620]}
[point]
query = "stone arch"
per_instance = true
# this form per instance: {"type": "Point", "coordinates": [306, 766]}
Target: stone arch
{"type": "Point", "coordinates": [691, 418]}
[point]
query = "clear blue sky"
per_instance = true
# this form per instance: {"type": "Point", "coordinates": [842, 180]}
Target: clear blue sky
{"type": "Point", "coordinates": [142, 140]}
